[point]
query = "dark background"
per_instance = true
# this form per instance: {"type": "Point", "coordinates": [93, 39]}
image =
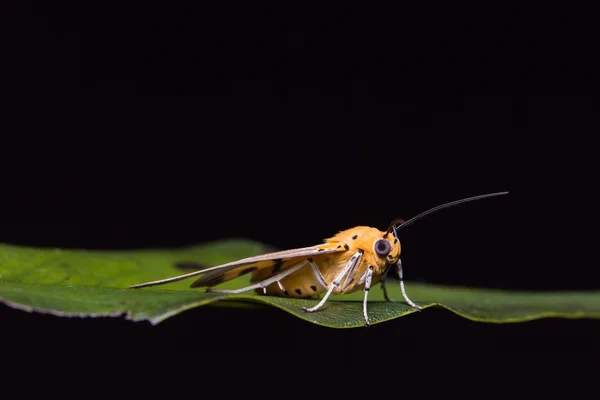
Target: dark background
{"type": "Point", "coordinates": [148, 126]}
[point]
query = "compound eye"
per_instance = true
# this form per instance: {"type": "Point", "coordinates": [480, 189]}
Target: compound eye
{"type": "Point", "coordinates": [382, 247]}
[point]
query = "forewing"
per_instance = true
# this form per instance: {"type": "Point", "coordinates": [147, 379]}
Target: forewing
{"type": "Point", "coordinates": [275, 261]}
{"type": "Point", "coordinates": [221, 273]}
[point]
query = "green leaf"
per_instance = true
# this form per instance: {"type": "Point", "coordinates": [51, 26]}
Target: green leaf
{"type": "Point", "coordinates": [94, 283]}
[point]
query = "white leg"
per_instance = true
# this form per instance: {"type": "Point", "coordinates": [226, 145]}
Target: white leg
{"type": "Point", "coordinates": [280, 286]}
{"type": "Point", "coordinates": [336, 282]}
{"type": "Point", "coordinates": [350, 275]}
{"type": "Point", "coordinates": [318, 274]}
{"type": "Point", "coordinates": [409, 301]}
{"type": "Point", "coordinates": [263, 284]}
{"type": "Point", "coordinates": [368, 278]}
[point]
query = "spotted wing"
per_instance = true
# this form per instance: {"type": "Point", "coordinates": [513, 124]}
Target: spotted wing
{"type": "Point", "coordinates": [221, 273]}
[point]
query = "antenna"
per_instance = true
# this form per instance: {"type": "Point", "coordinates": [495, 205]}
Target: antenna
{"type": "Point", "coordinates": [400, 223]}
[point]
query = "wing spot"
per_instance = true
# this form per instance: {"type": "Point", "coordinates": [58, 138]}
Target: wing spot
{"type": "Point", "coordinates": [247, 271]}
{"type": "Point", "coordinates": [346, 247]}
{"type": "Point", "coordinates": [298, 291]}
{"type": "Point", "coordinates": [211, 282]}
{"type": "Point", "coordinates": [354, 237]}
{"type": "Point", "coordinates": [313, 287]}
{"type": "Point", "coordinates": [278, 264]}
{"type": "Point", "coordinates": [339, 245]}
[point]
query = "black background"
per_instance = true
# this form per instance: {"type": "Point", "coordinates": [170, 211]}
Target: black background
{"type": "Point", "coordinates": [134, 127]}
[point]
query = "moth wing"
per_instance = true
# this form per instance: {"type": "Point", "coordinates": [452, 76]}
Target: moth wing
{"type": "Point", "coordinates": [277, 261]}
{"type": "Point", "coordinates": [221, 273]}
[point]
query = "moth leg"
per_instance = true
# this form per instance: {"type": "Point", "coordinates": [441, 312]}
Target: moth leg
{"type": "Point", "coordinates": [368, 276]}
{"type": "Point", "coordinates": [318, 275]}
{"type": "Point", "coordinates": [350, 276]}
{"type": "Point", "coordinates": [384, 288]}
{"type": "Point", "coordinates": [409, 301]}
{"type": "Point", "coordinates": [336, 282]}
{"type": "Point", "coordinates": [262, 284]}
{"type": "Point", "coordinates": [281, 286]}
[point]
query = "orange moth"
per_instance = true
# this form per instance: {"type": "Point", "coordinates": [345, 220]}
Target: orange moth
{"type": "Point", "coordinates": [352, 260]}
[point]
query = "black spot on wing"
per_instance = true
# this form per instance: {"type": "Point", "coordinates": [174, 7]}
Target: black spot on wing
{"type": "Point", "coordinates": [278, 263]}
{"type": "Point", "coordinates": [313, 287]}
{"type": "Point", "coordinates": [247, 271]}
{"type": "Point", "coordinates": [347, 247]}
{"type": "Point", "coordinates": [354, 237]}
{"type": "Point", "coordinates": [298, 291]}
{"type": "Point", "coordinates": [189, 266]}
{"type": "Point", "coordinates": [212, 281]}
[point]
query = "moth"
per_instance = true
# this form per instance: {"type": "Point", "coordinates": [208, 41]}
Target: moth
{"type": "Point", "coordinates": [353, 259]}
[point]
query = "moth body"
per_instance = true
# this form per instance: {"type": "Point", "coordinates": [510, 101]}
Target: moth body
{"type": "Point", "coordinates": [305, 283]}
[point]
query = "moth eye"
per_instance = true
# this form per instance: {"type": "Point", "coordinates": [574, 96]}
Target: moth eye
{"type": "Point", "coordinates": [382, 247]}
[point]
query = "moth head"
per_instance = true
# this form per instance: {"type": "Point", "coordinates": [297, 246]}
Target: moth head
{"type": "Point", "coordinates": [387, 247]}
